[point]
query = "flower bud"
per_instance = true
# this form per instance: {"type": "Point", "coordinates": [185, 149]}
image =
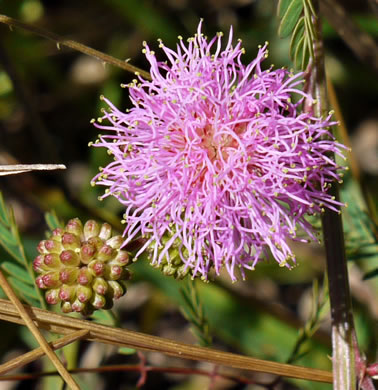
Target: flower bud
{"type": "Point", "coordinates": [78, 306]}
{"type": "Point", "coordinates": [53, 246]}
{"type": "Point", "coordinates": [116, 290]}
{"type": "Point", "coordinates": [41, 247]}
{"type": "Point", "coordinates": [52, 296]}
{"type": "Point", "coordinates": [75, 227]}
{"type": "Point", "coordinates": [51, 260]}
{"type": "Point", "coordinates": [67, 292]}
{"type": "Point", "coordinates": [105, 232]}
{"type": "Point", "coordinates": [66, 307]}
{"type": "Point", "coordinates": [68, 275]}
{"type": "Point", "coordinates": [87, 252]}
{"type": "Point", "coordinates": [97, 242]}
{"type": "Point", "coordinates": [39, 265]}
{"type": "Point", "coordinates": [57, 234]}
{"type": "Point", "coordinates": [105, 253]}
{"type": "Point", "coordinates": [84, 293]}
{"type": "Point", "coordinates": [96, 267]}
{"type": "Point", "coordinates": [91, 229]}
{"type": "Point", "coordinates": [113, 272]}
{"type": "Point", "coordinates": [78, 267]}
{"type": "Point", "coordinates": [98, 301]}
{"type": "Point", "coordinates": [51, 279]}
{"type": "Point", "coordinates": [115, 242]}
{"type": "Point", "coordinates": [169, 270]}
{"type": "Point", "coordinates": [122, 258]}
{"type": "Point", "coordinates": [182, 271]}
{"type": "Point", "coordinates": [85, 277]}
{"type": "Point", "coordinates": [70, 241]}
{"type": "Point", "coordinates": [69, 258]}
{"type": "Point", "coordinates": [100, 286]}
{"type": "Point", "coordinates": [39, 282]}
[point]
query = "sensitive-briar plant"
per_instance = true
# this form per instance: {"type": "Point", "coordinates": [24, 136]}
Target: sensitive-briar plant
{"type": "Point", "coordinates": [215, 163]}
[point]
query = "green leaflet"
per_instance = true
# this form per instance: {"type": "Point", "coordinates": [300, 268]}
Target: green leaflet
{"type": "Point", "coordinates": [282, 7]}
{"type": "Point", "coordinates": [193, 311]}
{"type": "Point", "coordinates": [17, 266]}
{"type": "Point", "coordinates": [297, 19]}
{"type": "Point", "coordinates": [52, 220]}
{"type": "Point", "coordinates": [290, 18]}
{"type": "Point", "coordinates": [17, 272]}
{"type": "Point", "coordinates": [4, 218]}
{"type": "Point", "coordinates": [25, 289]}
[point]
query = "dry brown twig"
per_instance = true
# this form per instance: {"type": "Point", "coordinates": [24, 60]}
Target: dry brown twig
{"type": "Point", "coordinates": [23, 313]}
{"type": "Point", "coordinates": [60, 324]}
{"type": "Point", "coordinates": [22, 168]}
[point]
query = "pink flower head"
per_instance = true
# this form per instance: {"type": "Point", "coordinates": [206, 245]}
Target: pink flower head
{"type": "Point", "coordinates": [214, 162]}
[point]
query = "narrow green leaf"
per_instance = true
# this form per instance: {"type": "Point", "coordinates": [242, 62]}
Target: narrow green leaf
{"type": "Point", "coordinates": [18, 272]}
{"type": "Point", "coordinates": [298, 54]}
{"type": "Point", "coordinates": [282, 7]}
{"type": "Point", "coordinates": [6, 236]}
{"type": "Point", "coordinates": [52, 220]}
{"type": "Point", "coordinates": [13, 250]}
{"type": "Point", "coordinates": [24, 289]}
{"type": "Point", "coordinates": [309, 33]}
{"type": "Point", "coordinates": [30, 301]}
{"type": "Point", "coordinates": [296, 36]}
{"type": "Point", "coordinates": [105, 317]}
{"type": "Point", "coordinates": [305, 53]}
{"type": "Point", "coordinates": [4, 216]}
{"type": "Point", "coordinates": [290, 19]}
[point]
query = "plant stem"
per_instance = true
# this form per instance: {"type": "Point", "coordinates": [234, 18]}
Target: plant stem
{"type": "Point", "coordinates": [344, 345]}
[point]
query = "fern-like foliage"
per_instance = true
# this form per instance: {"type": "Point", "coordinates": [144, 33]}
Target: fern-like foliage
{"type": "Point", "coordinates": [15, 263]}
{"type": "Point", "coordinates": [318, 311]}
{"type": "Point", "coordinates": [193, 311]}
{"type": "Point", "coordinates": [296, 19]}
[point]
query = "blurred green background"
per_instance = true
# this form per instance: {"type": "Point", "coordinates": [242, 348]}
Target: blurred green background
{"type": "Point", "coordinates": [47, 99]}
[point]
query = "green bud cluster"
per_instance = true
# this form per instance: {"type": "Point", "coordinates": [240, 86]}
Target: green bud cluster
{"type": "Point", "coordinates": [82, 267]}
{"type": "Point", "coordinates": [175, 266]}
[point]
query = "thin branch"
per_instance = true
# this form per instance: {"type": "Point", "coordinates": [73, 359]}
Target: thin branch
{"type": "Point", "coordinates": [22, 168]}
{"type": "Point", "coordinates": [121, 337]}
{"type": "Point", "coordinates": [36, 333]}
{"type": "Point", "coordinates": [60, 41]}
{"type": "Point", "coordinates": [29, 357]}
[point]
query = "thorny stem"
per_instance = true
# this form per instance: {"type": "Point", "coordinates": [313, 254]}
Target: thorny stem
{"type": "Point", "coordinates": [344, 344]}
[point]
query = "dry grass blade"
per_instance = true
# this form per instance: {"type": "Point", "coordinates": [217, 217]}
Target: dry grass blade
{"type": "Point", "coordinates": [22, 168]}
{"type": "Point", "coordinates": [63, 324]}
{"type": "Point", "coordinates": [22, 312]}
{"type": "Point", "coordinates": [29, 357]}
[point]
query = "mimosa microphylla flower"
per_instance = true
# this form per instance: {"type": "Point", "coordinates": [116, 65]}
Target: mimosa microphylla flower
{"type": "Point", "coordinates": [214, 162]}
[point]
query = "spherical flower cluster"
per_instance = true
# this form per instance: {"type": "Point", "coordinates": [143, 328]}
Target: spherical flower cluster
{"type": "Point", "coordinates": [82, 267]}
{"type": "Point", "coordinates": [214, 163]}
